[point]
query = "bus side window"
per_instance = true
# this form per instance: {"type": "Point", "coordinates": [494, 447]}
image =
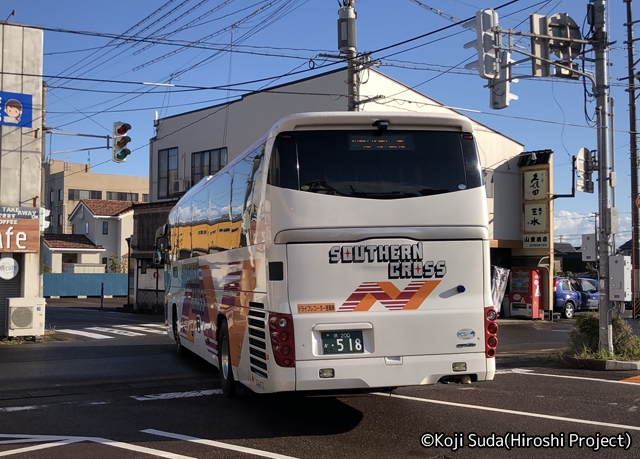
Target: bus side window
{"type": "Point", "coordinates": [283, 168]}
{"type": "Point", "coordinates": [251, 196]}
{"type": "Point", "coordinates": [218, 212]}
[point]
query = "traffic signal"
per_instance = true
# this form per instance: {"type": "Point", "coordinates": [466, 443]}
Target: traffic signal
{"type": "Point", "coordinates": [44, 223]}
{"type": "Point", "coordinates": [540, 52]}
{"type": "Point", "coordinates": [120, 141]}
{"type": "Point", "coordinates": [584, 169]}
{"type": "Point", "coordinates": [487, 43]}
{"type": "Point", "coordinates": [500, 86]}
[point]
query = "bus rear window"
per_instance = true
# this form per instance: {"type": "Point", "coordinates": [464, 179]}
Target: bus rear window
{"type": "Point", "coordinates": [390, 165]}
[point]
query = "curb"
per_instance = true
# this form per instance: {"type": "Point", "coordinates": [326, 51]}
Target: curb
{"type": "Point", "coordinates": [603, 365]}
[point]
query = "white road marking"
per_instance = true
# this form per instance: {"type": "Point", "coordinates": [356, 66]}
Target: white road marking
{"type": "Point", "coordinates": [512, 370]}
{"type": "Point", "coordinates": [172, 395]}
{"type": "Point", "coordinates": [139, 449]}
{"type": "Point", "coordinates": [10, 409]}
{"type": "Point", "coordinates": [59, 441]}
{"type": "Point", "coordinates": [163, 326]}
{"type": "Point", "coordinates": [27, 449]}
{"type": "Point", "coordinates": [217, 444]}
{"type": "Point", "coordinates": [16, 441]}
{"type": "Point", "coordinates": [513, 412]}
{"type": "Point", "coordinates": [582, 378]}
{"type": "Point", "coordinates": [84, 333]}
{"type": "Point", "coordinates": [115, 331]}
{"type": "Point", "coordinates": [142, 329]}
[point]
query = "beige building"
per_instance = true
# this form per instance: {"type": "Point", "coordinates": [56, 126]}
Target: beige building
{"type": "Point", "coordinates": [67, 183]}
{"type": "Point", "coordinates": [107, 224]}
{"type": "Point", "coordinates": [72, 253]}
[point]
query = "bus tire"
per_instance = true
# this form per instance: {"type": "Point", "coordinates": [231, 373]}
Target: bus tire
{"type": "Point", "coordinates": [176, 333]}
{"type": "Point", "coordinates": [227, 383]}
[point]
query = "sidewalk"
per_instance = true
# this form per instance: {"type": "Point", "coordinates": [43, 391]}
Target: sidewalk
{"type": "Point", "coordinates": [88, 303]}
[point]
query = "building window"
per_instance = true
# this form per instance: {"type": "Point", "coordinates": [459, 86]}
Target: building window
{"type": "Point", "coordinates": [118, 196]}
{"type": "Point", "coordinates": [105, 227]}
{"type": "Point", "coordinates": [61, 195]}
{"type": "Point", "coordinates": [86, 228]}
{"type": "Point", "coordinates": [104, 260]}
{"type": "Point", "coordinates": [69, 258]}
{"type": "Point", "coordinates": [205, 163]}
{"type": "Point", "coordinates": [167, 171]}
{"type": "Point", "coordinates": [145, 198]}
{"type": "Point", "coordinates": [60, 221]}
{"type": "Point", "coordinates": [77, 195]}
{"type": "Point", "coordinates": [52, 196]}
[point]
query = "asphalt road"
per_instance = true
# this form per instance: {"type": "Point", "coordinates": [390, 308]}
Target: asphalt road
{"type": "Point", "coordinates": [132, 396]}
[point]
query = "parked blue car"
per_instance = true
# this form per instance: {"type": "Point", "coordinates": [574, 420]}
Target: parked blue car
{"type": "Point", "coordinates": [575, 294]}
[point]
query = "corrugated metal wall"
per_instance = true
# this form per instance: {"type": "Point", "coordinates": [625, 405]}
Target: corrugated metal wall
{"type": "Point", "coordinates": [69, 284]}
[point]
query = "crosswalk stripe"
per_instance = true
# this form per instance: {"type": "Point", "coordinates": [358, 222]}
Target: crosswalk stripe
{"type": "Point", "coordinates": [84, 333]}
{"type": "Point", "coordinates": [163, 326]}
{"type": "Point", "coordinates": [115, 331]}
{"type": "Point", "coordinates": [146, 330]}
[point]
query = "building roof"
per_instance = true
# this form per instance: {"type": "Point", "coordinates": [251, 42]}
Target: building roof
{"type": "Point", "coordinates": [103, 207]}
{"type": "Point", "coordinates": [69, 241]}
{"type": "Point", "coordinates": [274, 89]}
{"type": "Point", "coordinates": [564, 247]}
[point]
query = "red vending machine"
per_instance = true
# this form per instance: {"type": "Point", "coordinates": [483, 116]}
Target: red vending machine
{"type": "Point", "coordinates": [525, 295]}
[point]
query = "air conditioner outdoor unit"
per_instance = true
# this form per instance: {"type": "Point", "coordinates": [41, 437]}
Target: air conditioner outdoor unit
{"type": "Point", "coordinates": [180, 186]}
{"type": "Point", "coordinates": [25, 316]}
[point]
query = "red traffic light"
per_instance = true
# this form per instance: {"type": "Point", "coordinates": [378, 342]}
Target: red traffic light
{"type": "Point", "coordinates": [124, 127]}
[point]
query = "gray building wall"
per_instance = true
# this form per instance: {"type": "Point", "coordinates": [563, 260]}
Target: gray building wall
{"type": "Point", "coordinates": [239, 124]}
{"type": "Point", "coordinates": [21, 148]}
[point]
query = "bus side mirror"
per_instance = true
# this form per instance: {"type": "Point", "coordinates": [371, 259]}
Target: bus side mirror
{"type": "Point", "coordinates": [158, 259]}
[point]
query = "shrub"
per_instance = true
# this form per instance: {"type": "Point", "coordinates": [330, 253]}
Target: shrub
{"type": "Point", "coordinates": [585, 337]}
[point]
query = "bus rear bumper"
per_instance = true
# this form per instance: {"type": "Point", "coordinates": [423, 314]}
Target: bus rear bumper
{"type": "Point", "coordinates": [373, 372]}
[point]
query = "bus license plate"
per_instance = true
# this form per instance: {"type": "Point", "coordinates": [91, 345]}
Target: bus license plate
{"type": "Point", "coordinates": [344, 342]}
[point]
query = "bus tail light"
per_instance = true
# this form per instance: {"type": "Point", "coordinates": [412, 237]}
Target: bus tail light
{"type": "Point", "coordinates": [282, 340]}
{"type": "Point", "coordinates": [490, 332]}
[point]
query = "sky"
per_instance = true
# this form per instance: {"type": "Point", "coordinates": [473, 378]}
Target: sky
{"type": "Point", "coordinates": [99, 58]}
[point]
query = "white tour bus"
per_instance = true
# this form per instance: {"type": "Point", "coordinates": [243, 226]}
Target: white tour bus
{"type": "Point", "coordinates": [343, 250]}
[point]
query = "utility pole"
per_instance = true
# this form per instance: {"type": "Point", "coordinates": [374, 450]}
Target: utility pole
{"type": "Point", "coordinates": [633, 150]}
{"type": "Point", "coordinates": [597, 17]}
{"type": "Point", "coordinates": [347, 46]}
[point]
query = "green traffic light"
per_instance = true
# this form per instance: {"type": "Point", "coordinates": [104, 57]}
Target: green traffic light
{"type": "Point", "coordinates": [122, 154]}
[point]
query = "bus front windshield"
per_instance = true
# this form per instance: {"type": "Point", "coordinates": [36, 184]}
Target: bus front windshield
{"type": "Point", "coordinates": [366, 164]}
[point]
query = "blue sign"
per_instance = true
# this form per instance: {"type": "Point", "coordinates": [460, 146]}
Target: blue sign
{"type": "Point", "coordinates": [15, 109]}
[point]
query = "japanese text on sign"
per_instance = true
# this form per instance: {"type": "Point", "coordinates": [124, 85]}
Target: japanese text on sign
{"type": "Point", "coordinates": [535, 185]}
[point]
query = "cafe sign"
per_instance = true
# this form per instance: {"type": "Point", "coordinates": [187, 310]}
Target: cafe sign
{"type": "Point", "coordinates": [19, 229]}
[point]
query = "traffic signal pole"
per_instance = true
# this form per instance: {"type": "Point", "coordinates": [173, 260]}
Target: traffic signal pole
{"type": "Point", "coordinates": [347, 46]}
{"type": "Point", "coordinates": [633, 150]}
{"type": "Point", "coordinates": [601, 48]}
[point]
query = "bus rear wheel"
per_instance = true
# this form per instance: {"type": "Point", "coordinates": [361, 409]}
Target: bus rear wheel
{"type": "Point", "coordinates": [227, 382]}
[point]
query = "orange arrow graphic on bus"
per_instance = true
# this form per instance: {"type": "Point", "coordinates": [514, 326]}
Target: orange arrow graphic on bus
{"type": "Point", "coordinates": [388, 295]}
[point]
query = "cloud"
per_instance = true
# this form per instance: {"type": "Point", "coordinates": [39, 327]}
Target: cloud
{"type": "Point", "coordinates": [570, 226]}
